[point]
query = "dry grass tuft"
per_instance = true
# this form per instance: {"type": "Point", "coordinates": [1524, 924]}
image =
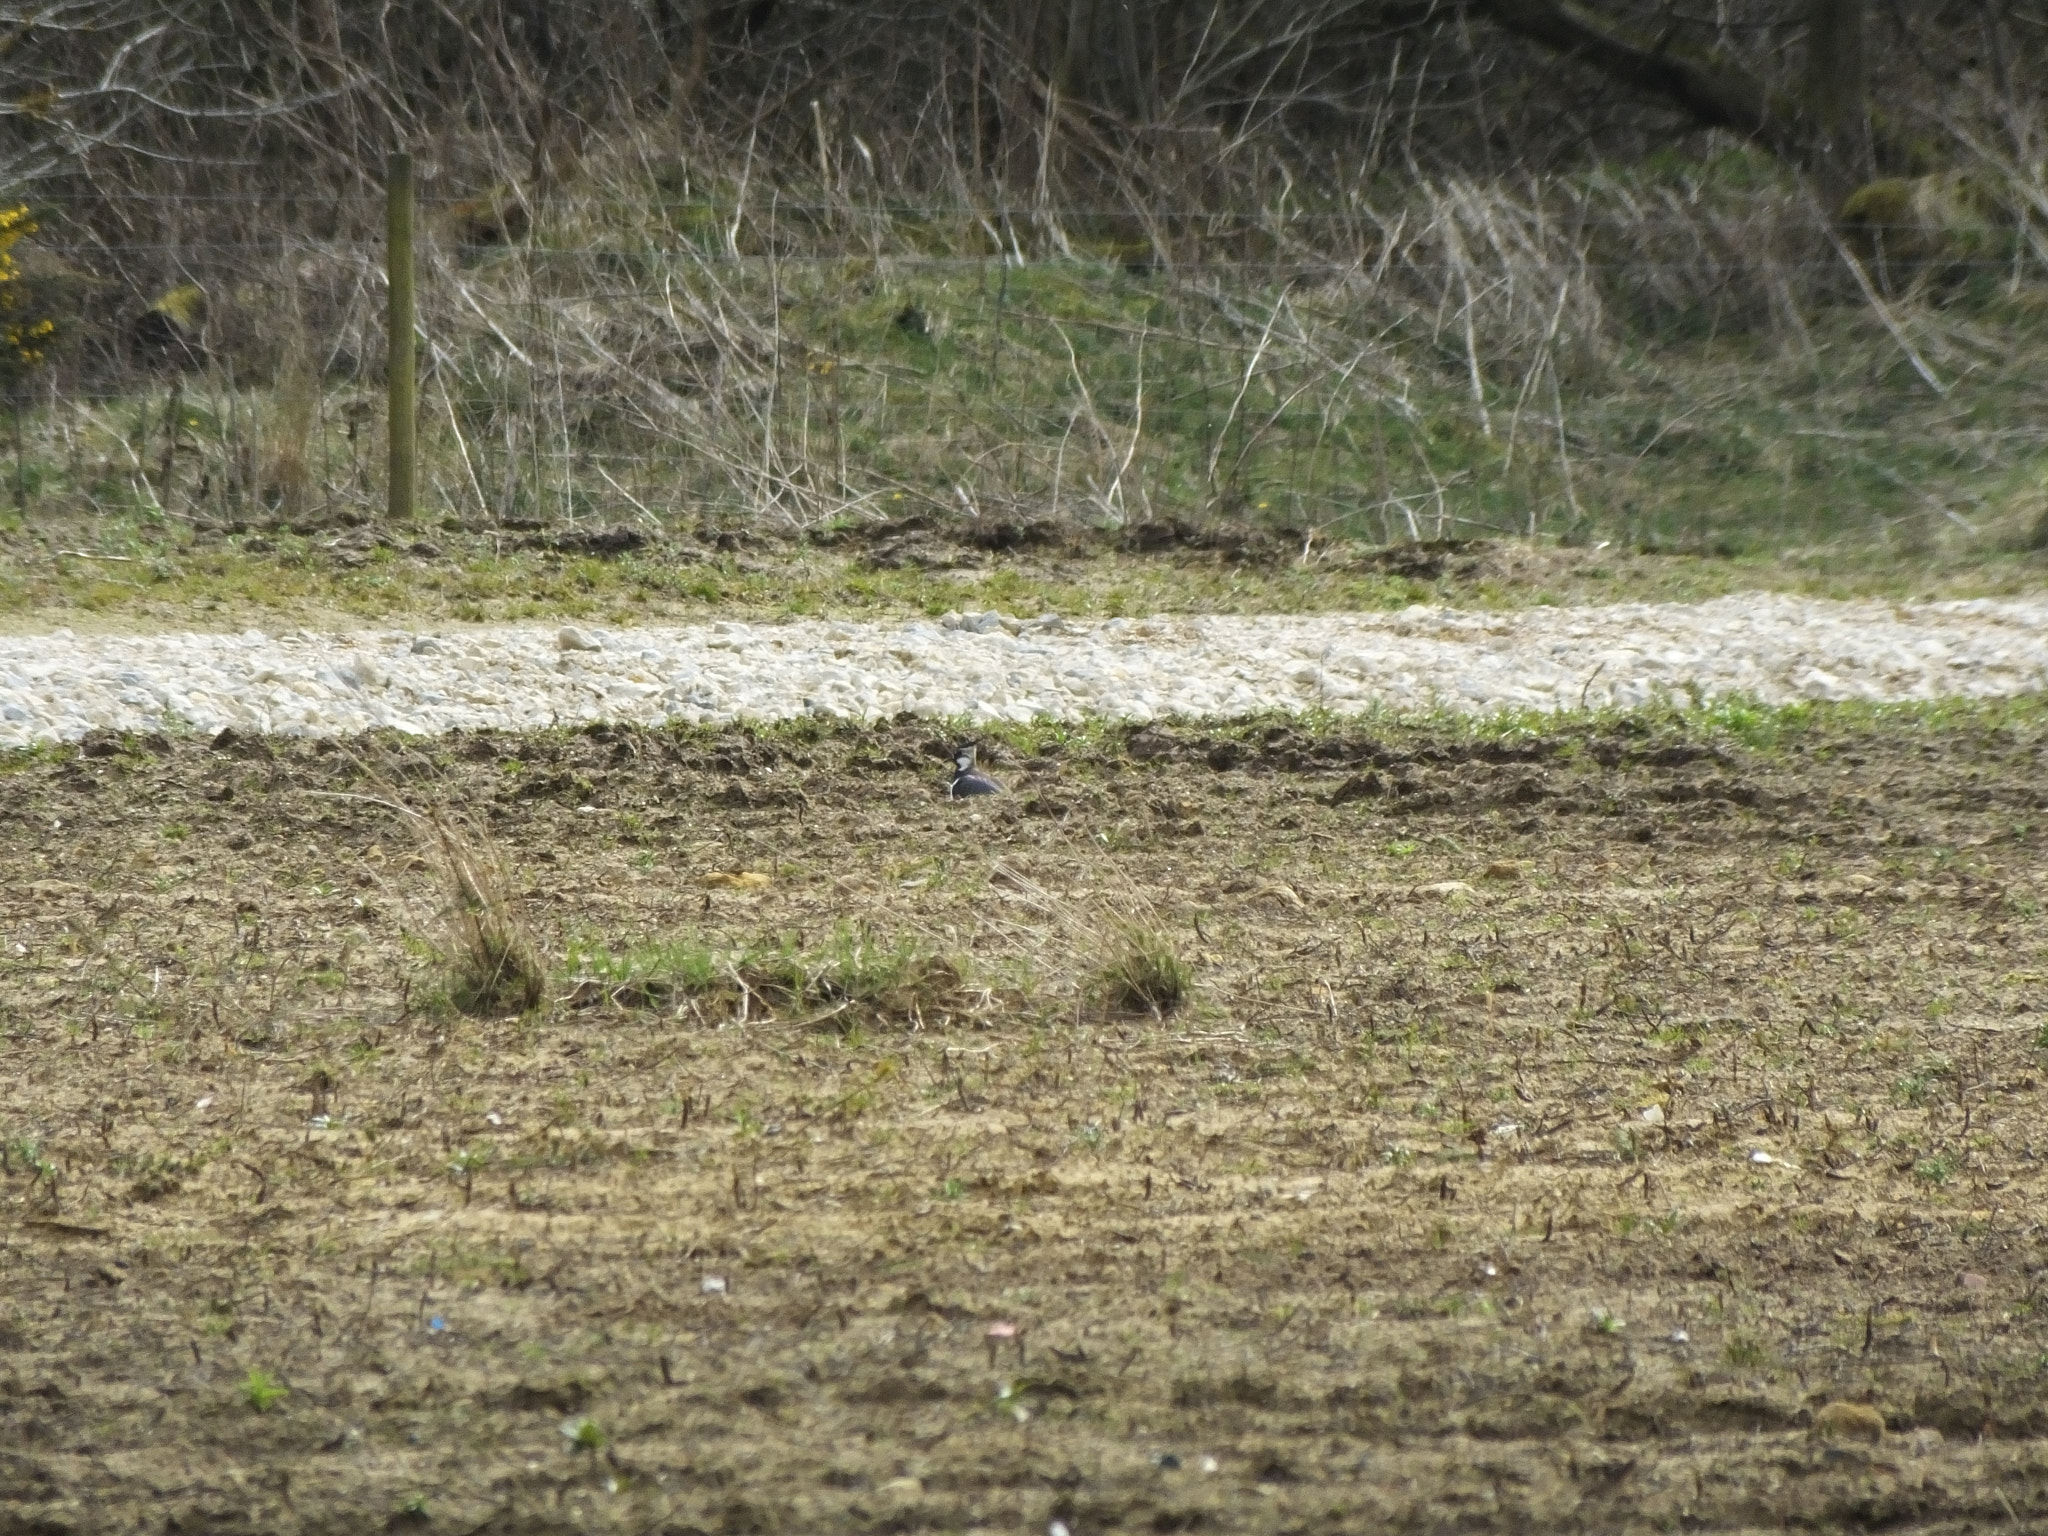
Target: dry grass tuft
{"type": "Point", "coordinates": [495, 960]}
{"type": "Point", "coordinates": [1126, 955]}
{"type": "Point", "coordinates": [1142, 971]}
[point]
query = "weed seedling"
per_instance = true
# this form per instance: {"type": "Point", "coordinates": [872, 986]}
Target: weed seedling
{"type": "Point", "coordinates": [1934, 1170]}
{"type": "Point", "coordinates": [263, 1391]}
{"type": "Point", "coordinates": [1745, 1353]}
{"type": "Point", "coordinates": [463, 1168]}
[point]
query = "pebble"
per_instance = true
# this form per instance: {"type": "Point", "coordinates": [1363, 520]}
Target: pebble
{"type": "Point", "coordinates": [990, 667]}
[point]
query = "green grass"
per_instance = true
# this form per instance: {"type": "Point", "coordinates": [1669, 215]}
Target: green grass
{"type": "Point", "coordinates": [1937, 1170]}
{"type": "Point", "coordinates": [218, 585]}
{"type": "Point", "coordinates": [1285, 385]}
{"type": "Point", "coordinates": [850, 974]}
{"type": "Point", "coordinates": [584, 1434]}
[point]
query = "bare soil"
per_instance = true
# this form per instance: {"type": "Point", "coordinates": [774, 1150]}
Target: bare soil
{"type": "Point", "coordinates": [1556, 1128]}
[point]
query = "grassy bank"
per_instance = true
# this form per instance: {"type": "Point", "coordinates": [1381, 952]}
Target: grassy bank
{"type": "Point", "coordinates": [138, 579]}
{"type": "Point", "coordinates": [1678, 361]}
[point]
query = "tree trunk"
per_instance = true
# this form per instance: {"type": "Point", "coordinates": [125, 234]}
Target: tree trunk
{"type": "Point", "coordinates": [1714, 91]}
{"type": "Point", "coordinates": [1830, 133]}
{"type": "Point", "coordinates": [1137, 79]}
{"type": "Point", "coordinates": [1077, 52]}
{"type": "Point", "coordinates": [1836, 96]}
{"type": "Point", "coordinates": [1102, 58]}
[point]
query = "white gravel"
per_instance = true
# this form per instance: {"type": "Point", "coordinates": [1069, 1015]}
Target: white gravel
{"type": "Point", "coordinates": [990, 667]}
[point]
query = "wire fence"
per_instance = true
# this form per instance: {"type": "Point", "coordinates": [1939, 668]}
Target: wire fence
{"type": "Point", "coordinates": [1460, 360]}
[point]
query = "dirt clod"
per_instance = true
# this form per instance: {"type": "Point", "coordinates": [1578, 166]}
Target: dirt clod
{"type": "Point", "coordinates": [1849, 1421]}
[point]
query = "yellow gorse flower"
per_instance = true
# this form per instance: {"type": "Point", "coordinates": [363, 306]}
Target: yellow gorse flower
{"type": "Point", "coordinates": [25, 337]}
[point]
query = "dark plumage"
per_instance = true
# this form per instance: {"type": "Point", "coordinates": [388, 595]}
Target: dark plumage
{"type": "Point", "coordinates": [967, 780]}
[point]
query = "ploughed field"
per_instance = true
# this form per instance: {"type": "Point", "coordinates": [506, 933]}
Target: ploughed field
{"type": "Point", "coordinates": [1554, 1127]}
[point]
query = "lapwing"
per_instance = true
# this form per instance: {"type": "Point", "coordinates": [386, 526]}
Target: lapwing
{"type": "Point", "coordinates": [967, 779]}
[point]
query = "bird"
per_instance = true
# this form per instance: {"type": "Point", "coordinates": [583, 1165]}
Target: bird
{"type": "Point", "coordinates": [966, 779]}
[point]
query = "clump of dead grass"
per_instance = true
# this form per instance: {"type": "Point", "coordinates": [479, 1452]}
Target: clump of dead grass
{"type": "Point", "coordinates": [495, 962]}
{"type": "Point", "coordinates": [476, 931]}
{"type": "Point", "coordinates": [1141, 971]}
{"type": "Point", "coordinates": [1126, 954]}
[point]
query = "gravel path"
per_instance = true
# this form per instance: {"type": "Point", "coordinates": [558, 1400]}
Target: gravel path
{"type": "Point", "coordinates": [993, 667]}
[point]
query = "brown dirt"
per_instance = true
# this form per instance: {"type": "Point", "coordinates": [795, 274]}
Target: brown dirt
{"type": "Point", "coordinates": [1437, 1207]}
